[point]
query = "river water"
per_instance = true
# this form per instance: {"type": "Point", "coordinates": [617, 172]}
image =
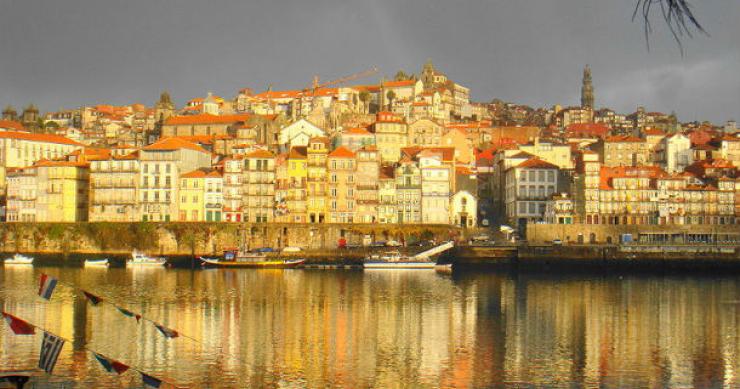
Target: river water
{"type": "Point", "coordinates": [382, 328]}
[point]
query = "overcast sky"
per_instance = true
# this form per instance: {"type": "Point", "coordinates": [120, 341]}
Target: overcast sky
{"type": "Point", "coordinates": [68, 53]}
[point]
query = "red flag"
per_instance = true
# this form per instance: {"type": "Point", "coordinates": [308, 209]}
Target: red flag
{"type": "Point", "coordinates": [19, 326]}
{"type": "Point", "coordinates": [95, 300]}
{"type": "Point", "coordinates": [168, 332]}
{"type": "Point", "coordinates": [110, 364]}
{"type": "Point", "coordinates": [129, 313]}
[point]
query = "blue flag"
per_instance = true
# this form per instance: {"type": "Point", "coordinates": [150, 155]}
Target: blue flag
{"type": "Point", "coordinates": [151, 381]}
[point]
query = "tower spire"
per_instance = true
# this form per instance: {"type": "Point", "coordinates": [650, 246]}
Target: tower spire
{"type": "Point", "coordinates": [587, 89]}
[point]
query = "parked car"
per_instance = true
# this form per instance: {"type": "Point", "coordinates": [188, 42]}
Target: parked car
{"type": "Point", "coordinates": [380, 243]}
{"type": "Point", "coordinates": [393, 243]}
{"type": "Point", "coordinates": [480, 238]}
{"type": "Point", "coordinates": [557, 242]}
{"type": "Point", "coordinates": [264, 250]}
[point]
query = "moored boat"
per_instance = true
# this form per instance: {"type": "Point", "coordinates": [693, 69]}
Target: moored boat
{"type": "Point", "coordinates": [141, 259]}
{"type": "Point", "coordinates": [236, 258]}
{"type": "Point", "coordinates": [395, 260]}
{"type": "Point", "coordinates": [19, 259]}
{"type": "Point", "coordinates": [104, 262]}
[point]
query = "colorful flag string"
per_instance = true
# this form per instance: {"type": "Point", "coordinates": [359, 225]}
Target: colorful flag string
{"type": "Point", "coordinates": [47, 360]}
{"type": "Point", "coordinates": [169, 333]}
{"type": "Point", "coordinates": [97, 300]}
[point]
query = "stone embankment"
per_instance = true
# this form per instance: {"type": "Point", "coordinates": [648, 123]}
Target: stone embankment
{"type": "Point", "coordinates": [203, 238]}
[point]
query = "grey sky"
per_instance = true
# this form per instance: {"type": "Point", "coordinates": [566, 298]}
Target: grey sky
{"type": "Point", "coordinates": [68, 53]}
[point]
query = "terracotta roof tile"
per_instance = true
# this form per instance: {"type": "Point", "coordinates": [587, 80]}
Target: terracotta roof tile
{"type": "Point", "coordinates": [11, 125]}
{"type": "Point", "coordinates": [398, 84]}
{"type": "Point", "coordinates": [38, 137]}
{"type": "Point", "coordinates": [259, 153]}
{"type": "Point", "coordinates": [536, 163]}
{"type": "Point", "coordinates": [206, 118]}
{"type": "Point", "coordinates": [298, 152]}
{"type": "Point", "coordinates": [173, 144]}
{"type": "Point", "coordinates": [342, 152]}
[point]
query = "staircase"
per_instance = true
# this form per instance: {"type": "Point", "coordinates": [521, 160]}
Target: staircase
{"type": "Point", "coordinates": [434, 250]}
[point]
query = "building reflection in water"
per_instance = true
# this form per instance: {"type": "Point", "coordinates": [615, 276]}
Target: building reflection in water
{"type": "Point", "coordinates": [294, 328]}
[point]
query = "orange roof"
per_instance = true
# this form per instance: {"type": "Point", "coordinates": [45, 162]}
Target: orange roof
{"type": "Point", "coordinates": [536, 163]}
{"type": "Point", "coordinates": [653, 132]}
{"type": "Point", "coordinates": [298, 152]}
{"type": "Point", "coordinates": [448, 153]}
{"type": "Point", "coordinates": [607, 174]}
{"type": "Point", "coordinates": [462, 170]}
{"type": "Point", "coordinates": [357, 131]}
{"type": "Point", "coordinates": [259, 153]}
{"type": "Point", "coordinates": [11, 125]}
{"type": "Point", "coordinates": [587, 129]}
{"type": "Point", "coordinates": [123, 146]}
{"type": "Point", "coordinates": [47, 163]}
{"type": "Point", "coordinates": [38, 137]}
{"type": "Point", "coordinates": [202, 139]}
{"type": "Point", "coordinates": [624, 138]}
{"type": "Point", "coordinates": [202, 173]}
{"type": "Point", "coordinates": [398, 84]}
{"type": "Point", "coordinates": [206, 118]}
{"type": "Point", "coordinates": [278, 94]}
{"type": "Point", "coordinates": [342, 152]}
{"type": "Point", "coordinates": [173, 144]}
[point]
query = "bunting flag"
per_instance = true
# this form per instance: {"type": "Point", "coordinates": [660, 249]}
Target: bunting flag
{"type": "Point", "coordinates": [50, 349]}
{"type": "Point", "coordinates": [150, 381]}
{"type": "Point", "coordinates": [19, 326]}
{"type": "Point", "coordinates": [111, 365]}
{"type": "Point", "coordinates": [168, 332]}
{"type": "Point", "coordinates": [94, 300]}
{"type": "Point", "coordinates": [47, 284]}
{"type": "Point", "coordinates": [129, 313]}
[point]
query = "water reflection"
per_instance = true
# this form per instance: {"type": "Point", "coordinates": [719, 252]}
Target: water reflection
{"type": "Point", "coordinates": [313, 328]}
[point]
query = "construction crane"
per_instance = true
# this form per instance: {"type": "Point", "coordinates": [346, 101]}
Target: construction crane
{"type": "Point", "coordinates": [367, 73]}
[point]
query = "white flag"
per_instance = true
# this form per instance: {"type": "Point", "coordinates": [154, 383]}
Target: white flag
{"type": "Point", "coordinates": [50, 348]}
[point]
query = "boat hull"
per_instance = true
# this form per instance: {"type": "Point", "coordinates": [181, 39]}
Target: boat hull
{"type": "Point", "coordinates": [399, 265]}
{"type": "Point", "coordinates": [267, 264]}
{"type": "Point", "coordinates": [97, 263]}
{"type": "Point", "coordinates": [19, 260]}
{"type": "Point", "coordinates": [146, 264]}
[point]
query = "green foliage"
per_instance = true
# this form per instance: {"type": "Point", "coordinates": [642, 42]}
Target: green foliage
{"type": "Point", "coordinates": [402, 76]}
{"type": "Point", "coordinates": [56, 231]}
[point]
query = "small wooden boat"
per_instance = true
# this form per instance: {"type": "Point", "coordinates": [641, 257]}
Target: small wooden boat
{"type": "Point", "coordinates": [19, 259]}
{"type": "Point", "coordinates": [104, 262]}
{"type": "Point", "coordinates": [140, 259]}
{"type": "Point", "coordinates": [236, 258]}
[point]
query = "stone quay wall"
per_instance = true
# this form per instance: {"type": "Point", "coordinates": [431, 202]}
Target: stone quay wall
{"type": "Point", "coordinates": [607, 233]}
{"type": "Point", "coordinates": [202, 238]}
